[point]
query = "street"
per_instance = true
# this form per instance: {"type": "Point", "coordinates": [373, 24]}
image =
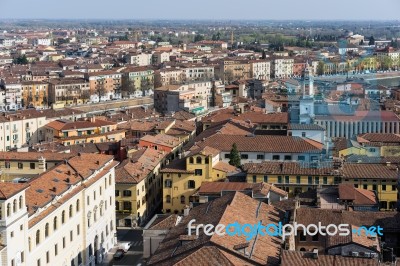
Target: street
{"type": "Point", "coordinates": [134, 255]}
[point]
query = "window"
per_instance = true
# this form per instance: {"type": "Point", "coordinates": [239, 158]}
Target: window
{"type": "Point", "coordinates": [325, 180]}
{"type": "Point", "coordinates": [71, 235]}
{"type": "Point", "coordinates": [298, 179]}
{"type": "Point", "coordinates": [37, 237]}
{"type": "Point", "coordinates": [287, 180]}
{"type": "Point", "coordinates": [288, 157]}
{"type": "Point", "coordinates": [183, 200]}
{"type": "Point", "coordinates": [20, 166]}
{"type": "Point", "coordinates": [8, 209]}
{"type": "Point", "coordinates": [317, 180]}
{"type": "Point", "coordinates": [168, 199]}
{"type": "Point", "coordinates": [88, 200]}
{"type": "Point", "coordinates": [302, 237]}
{"type": "Point", "coordinates": [227, 156]}
{"type": "Point", "coordinates": [394, 187]}
{"type": "Point", "coordinates": [198, 172]}
{"type": "Point", "coordinates": [55, 223]}
{"type": "Point", "coordinates": [260, 156]}
{"type": "Point", "coordinates": [105, 183]}
{"type": "Point", "coordinates": [365, 186]}
{"type": "Point", "coordinates": [38, 262]}
{"type": "Point", "coordinates": [117, 205]}
{"type": "Point", "coordinates": [22, 256]}
{"type": "Point", "coordinates": [46, 230]}
{"type": "Point", "coordinates": [275, 157]}
{"type": "Point", "coordinates": [32, 165]}
{"type": "Point", "coordinates": [14, 205]}
{"type": "Point", "coordinates": [78, 229]}
{"type": "Point", "coordinates": [109, 180]}
{"type": "Point", "coordinates": [279, 179]}
{"type": "Point", "coordinates": [117, 193]}
{"type": "Point", "coordinates": [315, 238]}
{"type": "Point", "coordinates": [29, 244]}
{"type": "Point", "coordinates": [63, 242]}
{"type": "Point", "coordinates": [127, 205]}
{"type": "Point", "coordinates": [266, 179]}
{"type": "Point", "coordinates": [244, 156]}
{"type": "Point", "coordinates": [310, 180]}
{"type": "Point", "coordinates": [47, 257]}
{"type": "Point", "coordinates": [301, 158]}
{"type": "Point", "coordinates": [191, 160]}
{"type": "Point", "coordinates": [127, 193]}
{"type": "Point", "coordinates": [55, 249]}
{"type": "Point", "coordinates": [63, 217]}
{"type": "Point", "coordinates": [191, 184]}
{"type": "Point", "coordinates": [206, 160]}
{"type": "Point", "coordinates": [384, 187]}
{"type": "Point", "coordinates": [167, 183]}
{"type": "Point", "coordinates": [70, 211]}
{"type": "Point", "coordinates": [94, 195]}
{"type": "Point", "coordinates": [198, 160]}
{"type": "Point", "coordinates": [303, 134]}
{"type": "Point", "coordinates": [77, 205]}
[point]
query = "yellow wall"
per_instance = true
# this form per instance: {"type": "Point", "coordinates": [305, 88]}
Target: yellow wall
{"type": "Point", "coordinates": [292, 187]}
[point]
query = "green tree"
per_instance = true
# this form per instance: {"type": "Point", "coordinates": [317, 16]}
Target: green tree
{"type": "Point", "coordinates": [128, 86]}
{"type": "Point", "coordinates": [234, 156]}
{"type": "Point", "coordinates": [320, 68]}
{"type": "Point", "coordinates": [371, 40]}
{"type": "Point", "coordinates": [21, 60]}
{"type": "Point", "coordinates": [198, 38]}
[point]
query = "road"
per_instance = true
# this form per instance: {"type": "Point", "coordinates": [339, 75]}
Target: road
{"type": "Point", "coordinates": [370, 76]}
{"type": "Point", "coordinates": [134, 255]}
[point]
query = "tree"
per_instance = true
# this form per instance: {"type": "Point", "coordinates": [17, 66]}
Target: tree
{"type": "Point", "coordinates": [264, 55]}
{"type": "Point", "coordinates": [198, 38]}
{"type": "Point", "coordinates": [371, 40]}
{"type": "Point", "coordinates": [100, 89]}
{"type": "Point", "coordinates": [128, 86]}
{"type": "Point", "coordinates": [320, 68]}
{"type": "Point", "coordinates": [234, 156]}
{"type": "Point", "coordinates": [21, 60]}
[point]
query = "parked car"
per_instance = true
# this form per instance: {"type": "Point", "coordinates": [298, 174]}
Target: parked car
{"type": "Point", "coordinates": [119, 254]}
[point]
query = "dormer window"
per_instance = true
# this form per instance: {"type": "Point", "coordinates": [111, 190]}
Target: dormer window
{"type": "Point", "coordinates": [191, 160]}
{"type": "Point", "coordinates": [198, 160]}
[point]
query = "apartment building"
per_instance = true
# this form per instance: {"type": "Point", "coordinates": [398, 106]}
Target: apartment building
{"type": "Point", "coordinates": [183, 177]}
{"type": "Point", "coordinates": [17, 130]}
{"type": "Point", "coordinates": [138, 186]}
{"type": "Point", "coordinates": [105, 85]}
{"type": "Point", "coordinates": [75, 132]}
{"type": "Point", "coordinates": [169, 76]}
{"type": "Point", "coordinates": [65, 215]}
{"type": "Point", "coordinates": [10, 93]}
{"type": "Point", "coordinates": [140, 78]}
{"type": "Point", "coordinates": [260, 69]}
{"type": "Point", "coordinates": [68, 91]}
{"type": "Point", "coordinates": [282, 67]}
{"type": "Point", "coordinates": [35, 94]}
{"type": "Point", "coordinates": [139, 59]}
{"type": "Point", "coordinates": [230, 70]}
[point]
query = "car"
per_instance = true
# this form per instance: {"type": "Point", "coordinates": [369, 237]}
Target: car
{"type": "Point", "coordinates": [119, 254]}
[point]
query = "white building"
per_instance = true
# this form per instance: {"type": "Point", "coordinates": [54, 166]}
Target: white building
{"type": "Point", "coordinates": [260, 69]}
{"type": "Point", "coordinates": [139, 59]}
{"type": "Point", "coordinates": [42, 41]}
{"type": "Point", "coordinates": [282, 67]}
{"type": "Point", "coordinates": [65, 216]}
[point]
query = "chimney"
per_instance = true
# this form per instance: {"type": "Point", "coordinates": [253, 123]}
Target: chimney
{"type": "Point", "coordinates": [98, 162]}
{"type": "Point", "coordinates": [186, 211]}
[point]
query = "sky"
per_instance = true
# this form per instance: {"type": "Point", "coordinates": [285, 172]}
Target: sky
{"type": "Point", "coordinates": [202, 9]}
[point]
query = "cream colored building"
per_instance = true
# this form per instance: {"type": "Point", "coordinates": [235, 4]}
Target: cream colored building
{"type": "Point", "coordinates": [260, 69]}
{"type": "Point", "coordinates": [65, 216]}
{"type": "Point", "coordinates": [282, 67]}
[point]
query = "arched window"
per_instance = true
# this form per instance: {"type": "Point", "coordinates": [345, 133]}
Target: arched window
{"type": "Point", "coordinates": [37, 237]}
{"type": "Point", "coordinates": [168, 199]}
{"type": "Point", "coordinates": [70, 211]}
{"type": "Point", "coordinates": [198, 160]}
{"type": "Point", "coordinates": [77, 205]}
{"type": "Point", "coordinates": [14, 205]}
{"type": "Point", "coordinates": [63, 217]}
{"type": "Point", "coordinates": [191, 160]}
{"type": "Point", "coordinates": [206, 160]}
{"type": "Point", "coordinates": [183, 200]}
{"type": "Point", "coordinates": [55, 225]}
{"type": "Point", "coordinates": [21, 203]}
{"type": "Point", "coordinates": [46, 230]}
{"type": "Point", "coordinates": [8, 209]}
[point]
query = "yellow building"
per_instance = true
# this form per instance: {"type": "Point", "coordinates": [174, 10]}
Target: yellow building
{"type": "Point", "coordinates": [35, 94]}
{"type": "Point", "coordinates": [183, 177]}
{"type": "Point", "coordinates": [70, 132]}
{"type": "Point", "coordinates": [381, 178]}
{"type": "Point", "coordinates": [138, 186]}
{"type": "Point", "coordinates": [292, 177]}
{"type": "Point", "coordinates": [142, 79]}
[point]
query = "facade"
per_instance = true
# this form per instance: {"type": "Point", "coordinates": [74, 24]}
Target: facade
{"type": "Point", "coordinates": [142, 80]}
{"type": "Point", "coordinates": [282, 67]}
{"type": "Point", "coordinates": [141, 59]}
{"type": "Point", "coordinates": [182, 178]}
{"type": "Point", "coordinates": [138, 187]}
{"type": "Point", "coordinates": [106, 85]}
{"type": "Point", "coordinates": [231, 70]}
{"type": "Point", "coordinates": [293, 177]}
{"type": "Point", "coordinates": [65, 215]}
{"type": "Point", "coordinates": [260, 69]}
{"type": "Point", "coordinates": [68, 91]}
{"type": "Point", "coordinates": [75, 132]}
{"type": "Point", "coordinates": [35, 94]}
